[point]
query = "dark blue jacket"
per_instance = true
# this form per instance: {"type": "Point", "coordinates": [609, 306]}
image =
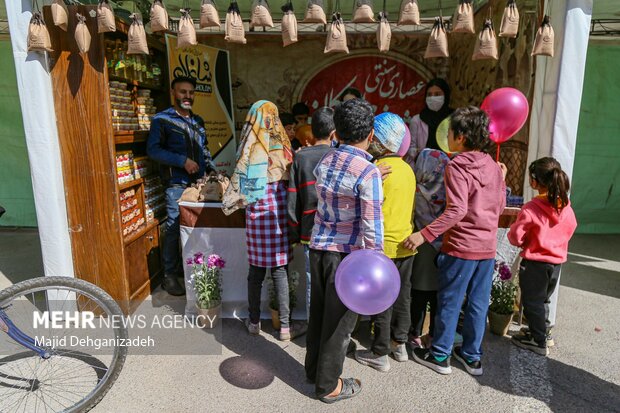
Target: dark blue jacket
{"type": "Point", "coordinates": [174, 138]}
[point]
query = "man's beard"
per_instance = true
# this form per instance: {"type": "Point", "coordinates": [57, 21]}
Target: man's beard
{"type": "Point", "coordinates": [184, 105]}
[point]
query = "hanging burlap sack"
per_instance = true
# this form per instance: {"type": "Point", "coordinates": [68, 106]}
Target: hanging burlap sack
{"type": "Point", "coordinates": [337, 36]}
{"type": "Point", "coordinates": [38, 36]}
{"type": "Point", "coordinates": [105, 17]}
{"type": "Point", "coordinates": [60, 14]}
{"type": "Point", "coordinates": [315, 12]}
{"type": "Point", "coordinates": [289, 25]}
{"type": "Point", "coordinates": [438, 41]}
{"type": "Point", "coordinates": [363, 12]}
{"type": "Point", "coordinates": [510, 20]}
{"type": "Point", "coordinates": [208, 14]}
{"type": "Point", "coordinates": [486, 45]}
{"type": "Point", "coordinates": [384, 33]}
{"type": "Point", "coordinates": [187, 31]}
{"type": "Point", "coordinates": [136, 36]}
{"type": "Point", "coordinates": [409, 13]}
{"type": "Point", "coordinates": [543, 44]}
{"type": "Point", "coordinates": [235, 33]}
{"type": "Point", "coordinates": [159, 17]}
{"type": "Point", "coordinates": [261, 17]}
{"type": "Point", "coordinates": [82, 35]}
{"type": "Point", "coordinates": [464, 18]}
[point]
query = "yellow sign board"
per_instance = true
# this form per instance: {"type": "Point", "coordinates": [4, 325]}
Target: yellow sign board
{"type": "Point", "coordinates": [213, 99]}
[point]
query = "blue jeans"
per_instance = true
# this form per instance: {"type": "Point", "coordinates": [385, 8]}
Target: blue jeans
{"type": "Point", "coordinates": [308, 279]}
{"type": "Point", "coordinates": [458, 277]}
{"type": "Point", "coordinates": [170, 247]}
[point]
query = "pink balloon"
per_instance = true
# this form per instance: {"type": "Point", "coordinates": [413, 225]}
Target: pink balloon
{"type": "Point", "coordinates": [367, 282]}
{"type": "Point", "coordinates": [404, 145]}
{"type": "Point", "coordinates": [507, 109]}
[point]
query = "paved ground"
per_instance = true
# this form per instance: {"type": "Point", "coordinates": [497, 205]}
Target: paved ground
{"type": "Point", "coordinates": [258, 374]}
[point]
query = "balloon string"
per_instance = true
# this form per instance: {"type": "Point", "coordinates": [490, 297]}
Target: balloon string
{"type": "Point", "coordinates": [497, 155]}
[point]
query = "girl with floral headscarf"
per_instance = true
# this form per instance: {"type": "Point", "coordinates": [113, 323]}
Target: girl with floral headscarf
{"type": "Point", "coordinates": [259, 184]}
{"type": "Point", "coordinates": [430, 201]}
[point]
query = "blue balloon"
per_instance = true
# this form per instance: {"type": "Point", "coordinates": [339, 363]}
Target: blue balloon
{"type": "Point", "coordinates": [367, 282]}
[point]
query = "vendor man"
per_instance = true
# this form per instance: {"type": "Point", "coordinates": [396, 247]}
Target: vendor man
{"type": "Point", "coordinates": [177, 141]}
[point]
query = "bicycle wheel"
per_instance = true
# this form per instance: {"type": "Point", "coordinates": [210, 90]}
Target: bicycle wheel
{"type": "Point", "coordinates": [78, 372]}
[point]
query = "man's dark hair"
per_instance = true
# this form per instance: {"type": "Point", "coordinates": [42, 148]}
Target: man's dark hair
{"type": "Point", "coordinates": [300, 108]}
{"type": "Point", "coordinates": [323, 123]}
{"type": "Point", "coordinates": [354, 120]}
{"type": "Point", "coordinates": [472, 123]}
{"type": "Point", "coordinates": [287, 119]}
{"type": "Point", "coordinates": [183, 79]}
{"type": "Point", "coordinates": [350, 91]}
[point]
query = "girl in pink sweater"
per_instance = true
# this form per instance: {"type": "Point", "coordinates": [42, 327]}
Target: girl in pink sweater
{"type": "Point", "coordinates": [543, 228]}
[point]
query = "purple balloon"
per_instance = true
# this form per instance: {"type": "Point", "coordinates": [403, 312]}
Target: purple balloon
{"type": "Point", "coordinates": [404, 146]}
{"type": "Point", "coordinates": [367, 282]}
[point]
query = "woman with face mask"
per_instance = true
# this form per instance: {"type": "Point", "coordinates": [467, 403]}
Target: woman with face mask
{"type": "Point", "coordinates": [423, 127]}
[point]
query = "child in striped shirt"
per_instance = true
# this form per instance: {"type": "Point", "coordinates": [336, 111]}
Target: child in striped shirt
{"type": "Point", "coordinates": [348, 218]}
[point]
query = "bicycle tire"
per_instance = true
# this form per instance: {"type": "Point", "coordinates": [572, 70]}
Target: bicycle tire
{"type": "Point", "coordinates": [99, 296]}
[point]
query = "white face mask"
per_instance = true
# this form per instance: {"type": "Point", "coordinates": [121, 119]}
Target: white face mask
{"type": "Point", "coordinates": [435, 103]}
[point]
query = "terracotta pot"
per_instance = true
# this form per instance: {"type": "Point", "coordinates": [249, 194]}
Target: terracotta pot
{"type": "Point", "coordinates": [499, 323]}
{"type": "Point", "coordinates": [275, 319]}
{"type": "Point", "coordinates": [210, 316]}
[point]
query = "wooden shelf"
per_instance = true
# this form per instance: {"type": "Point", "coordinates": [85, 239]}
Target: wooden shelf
{"type": "Point", "coordinates": [130, 82]}
{"type": "Point", "coordinates": [129, 184]}
{"type": "Point", "coordinates": [143, 230]}
{"type": "Point", "coordinates": [132, 136]}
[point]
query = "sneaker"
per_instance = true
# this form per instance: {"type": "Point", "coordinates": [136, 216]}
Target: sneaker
{"type": "Point", "coordinates": [370, 359]}
{"type": "Point", "coordinates": [550, 342]}
{"type": "Point", "coordinates": [527, 342]}
{"type": "Point", "coordinates": [399, 351]}
{"type": "Point", "coordinates": [253, 329]}
{"type": "Point", "coordinates": [473, 367]}
{"type": "Point", "coordinates": [416, 342]}
{"type": "Point", "coordinates": [291, 333]}
{"type": "Point", "coordinates": [425, 358]}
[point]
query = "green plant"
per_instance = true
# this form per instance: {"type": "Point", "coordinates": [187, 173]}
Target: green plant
{"type": "Point", "coordinates": [503, 290]}
{"type": "Point", "coordinates": [293, 282]}
{"type": "Point", "coordinates": [207, 278]}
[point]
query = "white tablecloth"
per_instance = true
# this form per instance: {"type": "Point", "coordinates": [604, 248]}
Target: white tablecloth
{"type": "Point", "coordinates": [209, 236]}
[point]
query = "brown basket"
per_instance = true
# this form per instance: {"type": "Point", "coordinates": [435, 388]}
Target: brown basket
{"type": "Point", "coordinates": [514, 155]}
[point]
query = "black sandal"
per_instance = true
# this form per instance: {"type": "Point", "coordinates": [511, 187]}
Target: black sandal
{"type": "Point", "coordinates": [350, 388]}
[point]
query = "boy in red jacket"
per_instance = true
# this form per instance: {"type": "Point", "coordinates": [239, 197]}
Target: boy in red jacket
{"type": "Point", "coordinates": [543, 228]}
{"type": "Point", "coordinates": [475, 198]}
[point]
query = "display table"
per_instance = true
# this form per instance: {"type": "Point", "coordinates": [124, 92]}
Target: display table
{"type": "Point", "coordinates": [205, 228]}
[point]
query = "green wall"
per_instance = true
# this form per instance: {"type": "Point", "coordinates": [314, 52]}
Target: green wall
{"type": "Point", "coordinates": [15, 183]}
{"type": "Point", "coordinates": [596, 176]}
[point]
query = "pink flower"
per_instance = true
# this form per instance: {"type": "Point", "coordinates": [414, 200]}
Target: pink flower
{"type": "Point", "coordinates": [199, 258]}
{"type": "Point", "coordinates": [215, 260]}
{"type": "Point", "coordinates": [189, 261]}
{"type": "Point", "coordinates": [504, 272]}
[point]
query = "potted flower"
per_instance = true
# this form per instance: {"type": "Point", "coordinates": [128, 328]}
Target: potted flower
{"type": "Point", "coordinates": [207, 281]}
{"type": "Point", "coordinates": [293, 282]}
{"type": "Point", "coordinates": [503, 292]}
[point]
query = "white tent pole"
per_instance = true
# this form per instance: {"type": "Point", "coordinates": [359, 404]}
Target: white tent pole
{"type": "Point", "coordinates": [37, 105]}
{"type": "Point", "coordinates": [557, 96]}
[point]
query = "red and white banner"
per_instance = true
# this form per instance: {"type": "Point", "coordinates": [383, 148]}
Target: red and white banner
{"type": "Point", "coordinates": [389, 84]}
